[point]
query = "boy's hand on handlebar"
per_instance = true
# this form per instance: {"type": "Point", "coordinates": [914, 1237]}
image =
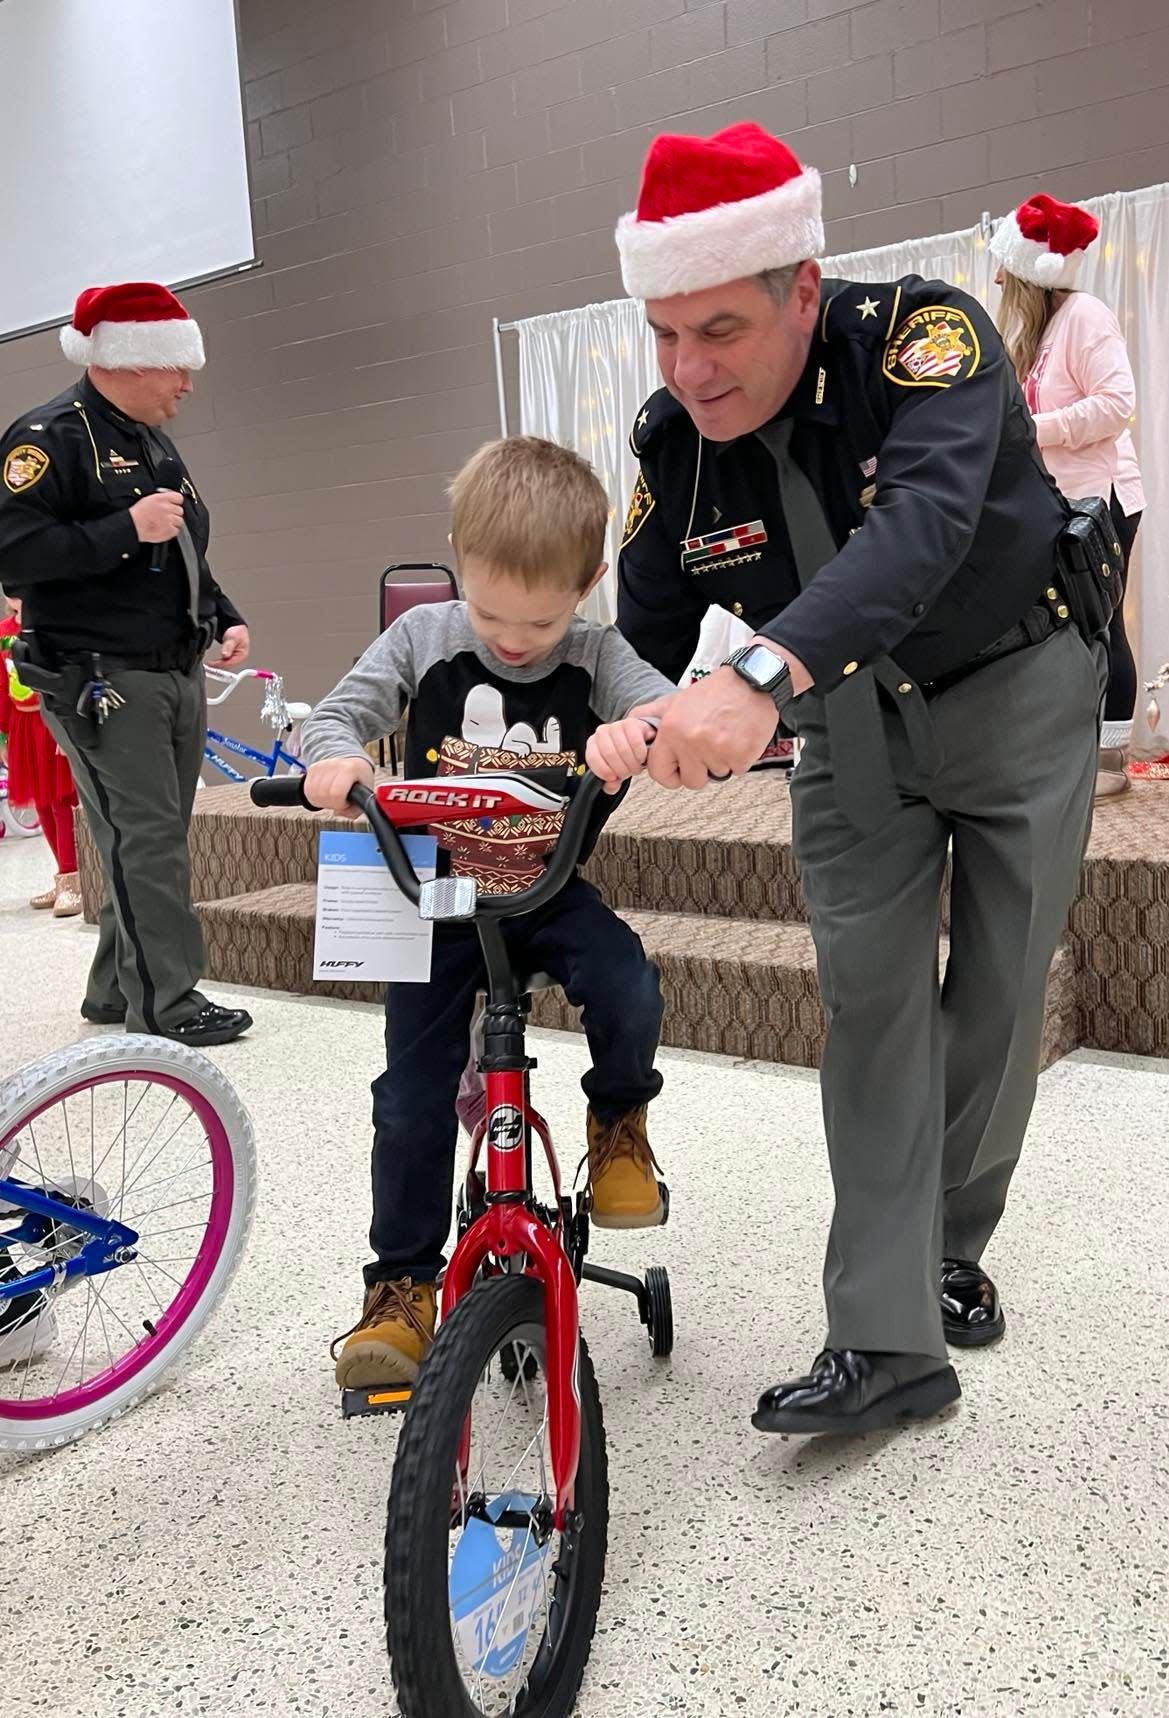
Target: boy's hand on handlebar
{"type": "Point", "coordinates": [619, 750]}
{"type": "Point", "coordinates": [327, 784]}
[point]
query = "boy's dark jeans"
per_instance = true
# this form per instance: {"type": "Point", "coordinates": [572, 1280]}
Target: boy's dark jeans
{"type": "Point", "coordinates": [599, 961]}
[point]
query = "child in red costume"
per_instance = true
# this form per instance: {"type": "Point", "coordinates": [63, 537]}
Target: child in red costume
{"type": "Point", "coordinates": [38, 773]}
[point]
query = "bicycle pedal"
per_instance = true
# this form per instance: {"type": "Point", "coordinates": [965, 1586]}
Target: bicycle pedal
{"type": "Point", "coordinates": [379, 1399]}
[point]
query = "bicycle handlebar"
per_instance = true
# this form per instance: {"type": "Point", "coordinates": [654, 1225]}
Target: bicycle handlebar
{"type": "Point", "coordinates": [289, 791]}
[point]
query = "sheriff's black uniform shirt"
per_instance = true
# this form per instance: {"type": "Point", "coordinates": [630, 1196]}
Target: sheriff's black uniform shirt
{"type": "Point", "coordinates": [69, 473]}
{"type": "Point", "coordinates": [913, 431]}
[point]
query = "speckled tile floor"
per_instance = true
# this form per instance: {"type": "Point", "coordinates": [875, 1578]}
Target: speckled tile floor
{"type": "Point", "coordinates": [217, 1550]}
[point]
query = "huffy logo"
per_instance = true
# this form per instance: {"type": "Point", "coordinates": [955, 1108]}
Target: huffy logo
{"type": "Point", "coordinates": [344, 963]}
{"type": "Point", "coordinates": [454, 798]}
{"type": "Point", "coordinates": [505, 1128]}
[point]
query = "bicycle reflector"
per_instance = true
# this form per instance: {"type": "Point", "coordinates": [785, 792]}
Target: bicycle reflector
{"type": "Point", "coordinates": [448, 898]}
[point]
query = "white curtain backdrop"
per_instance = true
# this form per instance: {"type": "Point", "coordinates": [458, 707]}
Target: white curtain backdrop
{"type": "Point", "coordinates": [584, 373]}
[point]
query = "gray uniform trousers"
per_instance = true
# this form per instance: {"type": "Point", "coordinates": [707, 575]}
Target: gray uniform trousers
{"type": "Point", "coordinates": [927, 1089]}
{"type": "Point", "coordinates": [136, 779]}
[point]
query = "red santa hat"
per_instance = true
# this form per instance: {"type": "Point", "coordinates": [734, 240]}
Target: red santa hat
{"type": "Point", "coordinates": [135, 326]}
{"type": "Point", "coordinates": [1044, 241]}
{"type": "Point", "coordinates": [719, 208]}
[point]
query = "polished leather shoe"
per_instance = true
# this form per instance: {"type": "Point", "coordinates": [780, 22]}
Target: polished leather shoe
{"type": "Point", "coordinates": [102, 1016]}
{"type": "Point", "coordinates": [212, 1025]}
{"type": "Point", "coordinates": [850, 1391]}
{"type": "Point", "coordinates": [971, 1313]}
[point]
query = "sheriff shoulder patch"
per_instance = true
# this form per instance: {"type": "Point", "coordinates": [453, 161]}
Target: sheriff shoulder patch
{"type": "Point", "coordinates": [641, 505]}
{"type": "Point", "coordinates": [933, 348]}
{"type": "Point", "coordinates": [23, 467]}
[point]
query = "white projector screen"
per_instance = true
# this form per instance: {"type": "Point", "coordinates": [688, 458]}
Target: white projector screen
{"type": "Point", "coordinates": [122, 137]}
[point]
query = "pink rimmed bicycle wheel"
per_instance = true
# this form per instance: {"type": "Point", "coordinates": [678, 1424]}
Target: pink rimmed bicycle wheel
{"type": "Point", "coordinates": [148, 1133]}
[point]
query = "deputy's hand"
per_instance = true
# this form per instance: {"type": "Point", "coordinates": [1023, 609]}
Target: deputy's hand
{"type": "Point", "coordinates": [158, 518]}
{"type": "Point", "coordinates": [327, 784]}
{"type": "Point", "coordinates": [234, 647]}
{"type": "Point", "coordinates": [719, 726]}
{"type": "Point", "coordinates": [618, 750]}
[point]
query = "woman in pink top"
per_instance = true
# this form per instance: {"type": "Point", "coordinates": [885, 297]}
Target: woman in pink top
{"type": "Point", "coordinates": [1070, 356]}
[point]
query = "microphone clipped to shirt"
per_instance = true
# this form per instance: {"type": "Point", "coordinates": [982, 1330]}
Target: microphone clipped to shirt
{"type": "Point", "coordinates": [168, 474]}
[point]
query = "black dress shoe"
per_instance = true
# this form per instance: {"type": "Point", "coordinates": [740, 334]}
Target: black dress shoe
{"type": "Point", "coordinates": [212, 1025]}
{"type": "Point", "coordinates": [971, 1312]}
{"type": "Point", "coordinates": [851, 1391]}
{"type": "Point", "coordinates": [102, 1016]}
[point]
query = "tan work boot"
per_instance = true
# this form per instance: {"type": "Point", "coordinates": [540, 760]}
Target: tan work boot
{"type": "Point", "coordinates": [1111, 776]}
{"type": "Point", "coordinates": [41, 903]}
{"type": "Point", "coordinates": [388, 1342]}
{"type": "Point", "coordinates": [68, 902]}
{"type": "Point", "coordinates": [623, 1190]}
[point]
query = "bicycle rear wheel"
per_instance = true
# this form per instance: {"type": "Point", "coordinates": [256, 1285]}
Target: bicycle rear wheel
{"type": "Point", "coordinates": [146, 1132]}
{"type": "Point", "coordinates": [488, 1610]}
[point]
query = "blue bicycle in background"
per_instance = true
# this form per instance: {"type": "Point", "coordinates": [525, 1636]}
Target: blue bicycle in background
{"type": "Point", "coordinates": [277, 713]}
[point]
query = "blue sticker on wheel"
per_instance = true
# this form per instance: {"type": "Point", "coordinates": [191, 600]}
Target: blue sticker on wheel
{"type": "Point", "coordinates": [497, 1586]}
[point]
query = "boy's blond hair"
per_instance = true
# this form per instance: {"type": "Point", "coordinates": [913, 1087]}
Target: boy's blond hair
{"type": "Point", "coordinates": [530, 508]}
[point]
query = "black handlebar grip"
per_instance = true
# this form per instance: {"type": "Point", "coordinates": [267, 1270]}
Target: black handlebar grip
{"type": "Point", "coordinates": [281, 790]}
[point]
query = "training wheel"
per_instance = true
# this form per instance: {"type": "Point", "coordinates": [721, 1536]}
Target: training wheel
{"type": "Point", "coordinates": [661, 1311]}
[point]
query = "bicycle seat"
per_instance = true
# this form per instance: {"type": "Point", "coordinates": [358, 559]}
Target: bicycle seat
{"type": "Point", "coordinates": [299, 712]}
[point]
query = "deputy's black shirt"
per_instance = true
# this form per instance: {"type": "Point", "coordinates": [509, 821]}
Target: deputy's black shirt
{"type": "Point", "coordinates": [69, 473]}
{"type": "Point", "coordinates": [911, 426]}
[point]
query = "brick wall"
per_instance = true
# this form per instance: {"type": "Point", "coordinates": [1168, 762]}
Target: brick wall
{"type": "Point", "coordinates": [421, 167]}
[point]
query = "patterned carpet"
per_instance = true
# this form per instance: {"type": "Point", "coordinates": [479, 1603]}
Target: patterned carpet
{"type": "Point", "coordinates": [710, 884]}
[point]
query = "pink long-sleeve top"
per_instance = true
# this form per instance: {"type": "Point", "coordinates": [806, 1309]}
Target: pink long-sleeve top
{"type": "Point", "coordinates": [1081, 393]}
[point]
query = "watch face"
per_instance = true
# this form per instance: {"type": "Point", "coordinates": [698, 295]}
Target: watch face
{"type": "Point", "coordinates": [763, 666]}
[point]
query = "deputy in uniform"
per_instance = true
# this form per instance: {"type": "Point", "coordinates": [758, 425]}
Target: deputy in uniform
{"type": "Point", "coordinates": [104, 535]}
{"type": "Point", "coordinates": [852, 469]}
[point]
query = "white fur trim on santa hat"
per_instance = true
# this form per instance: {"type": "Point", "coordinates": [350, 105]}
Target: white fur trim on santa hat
{"type": "Point", "coordinates": [708, 247]}
{"type": "Point", "coordinates": [172, 344]}
{"type": "Point", "coordinates": [1031, 260]}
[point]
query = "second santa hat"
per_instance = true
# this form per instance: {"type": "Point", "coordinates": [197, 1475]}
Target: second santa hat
{"type": "Point", "coordinates": [714, 209]}
{"type": "Point", "coordinates": [1043, 241]}
{"type": "Point", "coordinates": [135, 326]}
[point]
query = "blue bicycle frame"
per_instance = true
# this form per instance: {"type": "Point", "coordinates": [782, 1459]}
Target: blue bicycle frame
{"type": "Point", "coordinates": [110, 1243]}
{"type": "Point", "coordinates": [269, 761]}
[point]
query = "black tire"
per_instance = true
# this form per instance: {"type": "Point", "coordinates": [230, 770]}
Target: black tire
{"type": "Point", "coordinates": [661, 1311]}
{"type": "Point", "coordinates": [418, 1533]}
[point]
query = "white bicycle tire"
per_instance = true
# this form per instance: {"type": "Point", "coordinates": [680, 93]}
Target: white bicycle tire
{"type": "Point", "coordinates": [14, 824]}
{"type": "Point", "coordinates": [51, 1077]}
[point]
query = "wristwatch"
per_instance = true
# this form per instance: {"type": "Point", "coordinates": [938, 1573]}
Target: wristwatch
{"type": "Point", "coordinates": [764, 670]}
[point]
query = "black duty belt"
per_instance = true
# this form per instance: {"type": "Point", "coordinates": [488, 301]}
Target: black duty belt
{"type": "Point", "coordinates": [170, 658]}
{"type": "Point", "coordinates": [1039, 623]}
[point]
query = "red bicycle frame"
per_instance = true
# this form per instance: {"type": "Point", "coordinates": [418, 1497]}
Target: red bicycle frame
{"type": "Point", "coordinates": [511, 1227]}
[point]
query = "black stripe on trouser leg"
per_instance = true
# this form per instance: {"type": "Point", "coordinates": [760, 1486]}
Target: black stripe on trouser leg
{"type": "Point", "coordinates": [122, 894]}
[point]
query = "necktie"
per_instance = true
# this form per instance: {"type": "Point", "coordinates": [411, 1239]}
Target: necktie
{"type": "Point", "coordinates": [865, 789]}
{"type": "Point", "coordinates": [155, 451]}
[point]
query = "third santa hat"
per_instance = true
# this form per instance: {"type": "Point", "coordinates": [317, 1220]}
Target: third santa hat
{"type": "Point", "coordinates": [135, 326]}
{"type": "Point", "coordinates": [1043, 241]}
{"type": "Point", "coordinates": [714, 209]}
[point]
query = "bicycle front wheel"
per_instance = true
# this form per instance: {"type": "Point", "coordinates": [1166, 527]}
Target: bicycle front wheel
{"type": "Point", "coordinates": [150, 1134]}
{"type": "Point", "coordinates": [489, 1611]}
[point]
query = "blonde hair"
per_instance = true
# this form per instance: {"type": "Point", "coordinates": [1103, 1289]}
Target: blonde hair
{"type": "Point", "coordinates": [530, 508]}
{"type": "Point", "coordinates": [1024, 312]}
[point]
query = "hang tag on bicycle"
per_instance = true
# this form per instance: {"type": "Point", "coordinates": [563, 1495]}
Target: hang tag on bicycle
{"type": "Point", "coordinates": [365, 929]}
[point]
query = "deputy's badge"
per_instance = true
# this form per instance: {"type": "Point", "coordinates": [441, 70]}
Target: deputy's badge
{"type": "Point", "coordinates": [868, 495]}
{"type": "Point", "coordinates": [933, 348]}
{"type": "Point", "coordinates": [641, 505]}
{"type": "Point", "coordinates": [23, 467]}
{"type": "Point", "coordinates": [730, 547]}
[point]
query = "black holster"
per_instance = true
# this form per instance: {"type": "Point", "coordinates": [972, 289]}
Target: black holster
{"type": "Point", "coordinates": [1091, 564]}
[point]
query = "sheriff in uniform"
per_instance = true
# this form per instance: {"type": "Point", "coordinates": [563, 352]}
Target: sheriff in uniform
{"type": "Point", "coordinates": [104, 535]}
{"type": "Point", "coordinates": [852, 469]}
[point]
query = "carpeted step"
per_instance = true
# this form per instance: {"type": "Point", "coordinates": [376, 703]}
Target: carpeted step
{"type": "Point", "coordinates": [729, 986]}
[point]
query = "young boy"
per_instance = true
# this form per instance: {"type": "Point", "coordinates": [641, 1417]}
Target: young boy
{"type": "Point", "coordinates": [509, 677]}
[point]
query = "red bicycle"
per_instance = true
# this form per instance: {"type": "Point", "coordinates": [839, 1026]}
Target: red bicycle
{"type": "Point", "coordinates": [498, 1514]}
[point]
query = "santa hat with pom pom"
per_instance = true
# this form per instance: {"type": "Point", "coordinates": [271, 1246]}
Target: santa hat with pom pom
{"type": "Point", "coordinates": [136, 326]}
{"type": "Point", "coordinates": [1043, 241]}
{"type": "Point", "coordinates": [715, 209]}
